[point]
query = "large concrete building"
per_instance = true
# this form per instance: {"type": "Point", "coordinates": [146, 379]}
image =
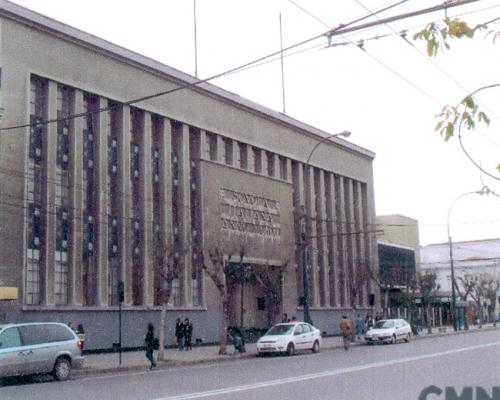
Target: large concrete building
{"type": "Point", "coordinates": [95, 189]}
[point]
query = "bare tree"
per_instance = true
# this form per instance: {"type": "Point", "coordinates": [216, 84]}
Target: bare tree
{"type": "Point", "coordinates": [427, 285]}
{"type": "Point", "coordinates": [464, 293]}
{"type": "Point", "coordinates": [215, 271]}
{"type": "Point", "coordinates": [270, 278]}
{"type": "Point", "coordinates": [492, 284]}
{"type": "Point", "coordinates": [478, 288]}
{"type": "Point", "coordinates": [238, 273]}
{"type": "Point", "coordinates": [167, 264]}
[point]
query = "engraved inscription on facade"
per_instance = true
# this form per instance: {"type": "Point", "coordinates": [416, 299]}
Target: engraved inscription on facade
{"type": "Point", "coordinates": [250, 214]}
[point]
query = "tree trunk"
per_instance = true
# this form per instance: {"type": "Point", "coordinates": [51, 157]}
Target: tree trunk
{"type": "Point", "coordinates": [223, 327]}
{"type": "Point", "coordinates": [428, 317]}
{"type": "Point", "coordinates": [161, 333]}
{"type": "Point", "coordinates": [480, 311]}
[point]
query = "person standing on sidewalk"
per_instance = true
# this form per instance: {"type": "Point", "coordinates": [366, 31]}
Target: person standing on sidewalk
{"type": "Point", "coordinates": [345, 329]}
{"type": "Point", "coordinates": [179, 333]}
{"type": "Point", "coordinates": [360, 326]}
{"type": "Point", "coordinates": [188, 334]}
{"type": "Point", "coordinates": [149, 339]}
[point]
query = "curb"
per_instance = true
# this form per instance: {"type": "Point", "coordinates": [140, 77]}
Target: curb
{"type": "Point", "coordinates": [86, 371]}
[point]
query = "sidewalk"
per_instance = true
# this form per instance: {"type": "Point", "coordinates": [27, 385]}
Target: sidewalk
{"type": "Point", "coordinates": [136, 360]}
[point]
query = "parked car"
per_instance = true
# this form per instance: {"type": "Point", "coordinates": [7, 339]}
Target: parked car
{"type": "Point", "coordinates": [288, 338]}
{"type": "Point", "coordinates": [389, 331]}
{"type": "Point", "coordinates": [39, 347]}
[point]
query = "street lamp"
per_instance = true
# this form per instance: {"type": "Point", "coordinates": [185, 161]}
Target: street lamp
{"type": "Point", "coordinates": [303, 241]}
{"type": "Point", "coordinates": [450, 244]}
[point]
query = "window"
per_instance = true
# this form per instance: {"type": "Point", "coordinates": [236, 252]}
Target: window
{"type": "Point", "coordinates": [212, 146]}
{"type": "Point", "coordinates": [299, 330]}
{"type": "Point", "coordinates": [45, 333]}
{"type": "Point", "coordinates": [283, 168]}
{"type": "Point", "coordinates": [228, 151]}
{"type": "Point", "coordinates": [270, 163]}
{"type": "Point", "coordinates": [243, 155]}
{"type": "Point", "coordinates": [257, 159]}
{"type": "Point", "coordinates": [10, 338]}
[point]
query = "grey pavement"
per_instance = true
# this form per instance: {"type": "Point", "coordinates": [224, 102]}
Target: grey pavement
{"type": "Point", "coordinates": [136, 360]}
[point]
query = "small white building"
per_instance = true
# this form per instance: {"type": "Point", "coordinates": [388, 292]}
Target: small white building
{"type": "Point", "coordinates": [477, 257]}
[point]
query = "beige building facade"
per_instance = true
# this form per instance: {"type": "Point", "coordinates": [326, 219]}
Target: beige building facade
{"type": "Point", "coordinates": [109, 158]}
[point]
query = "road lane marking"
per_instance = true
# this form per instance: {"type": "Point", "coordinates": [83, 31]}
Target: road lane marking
{"type": "Point", "coordinates": [319, 375]}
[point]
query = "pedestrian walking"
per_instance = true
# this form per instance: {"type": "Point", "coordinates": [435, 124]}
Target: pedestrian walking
{"type": "Point", "coordinates": [149, 339]}
{"type": "Point", "coordinates": [345, 329]}
{"type": "Point", "coordinates": [188, 334]}
{"type": "Point", "coordinates": [179, 333]}
{"type": "Point", "coordinates": [378, 317]}
{"type": "Point", "coordinates": [360, 326]}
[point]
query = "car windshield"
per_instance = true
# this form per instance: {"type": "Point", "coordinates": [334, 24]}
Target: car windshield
{"type": "Point", "coordinates": [384, 324]}
{"type": "Point", "coordinates": [279, 330]}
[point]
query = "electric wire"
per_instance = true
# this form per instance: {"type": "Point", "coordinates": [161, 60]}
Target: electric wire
{"type": "Point", "coordinates": [197, 82]}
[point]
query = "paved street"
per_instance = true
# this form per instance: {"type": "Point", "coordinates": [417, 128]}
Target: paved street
{"type": "Point", "coordinates": [364, 372]}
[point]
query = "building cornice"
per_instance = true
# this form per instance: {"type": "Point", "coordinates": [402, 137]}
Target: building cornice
{"type": "Point", "coordinates": [68, 33]}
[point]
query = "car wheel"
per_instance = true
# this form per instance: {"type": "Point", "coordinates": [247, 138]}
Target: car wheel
{"type": "Point", "coordinates": [62, 369]}
{"type": "Point", "coordinates": [259, 354]}
{"type": "Point", "coordinates": [407, 339]}
{"type": "Point", "coordinates": [315, 348]}
{"type": "Point", "coordinates": [393, 339]}
{"type": "Point", "coordinates": [290, 350]}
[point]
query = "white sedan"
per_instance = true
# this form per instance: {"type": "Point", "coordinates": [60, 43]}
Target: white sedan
{"type": "Point", "coordinates": [389, 331]}
{"type": "Point", "coordinates": [290, 337]}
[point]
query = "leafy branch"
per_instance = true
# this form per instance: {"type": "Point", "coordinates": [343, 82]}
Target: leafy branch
{"type": "Point", "coordinates": [437, 37]}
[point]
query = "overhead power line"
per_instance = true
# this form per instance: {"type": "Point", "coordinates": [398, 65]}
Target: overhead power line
{"type": "Point", "coordinates": [341, 29]}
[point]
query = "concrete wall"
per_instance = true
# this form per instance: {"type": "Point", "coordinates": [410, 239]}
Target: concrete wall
{"type": "Point", "coordinates": [31, 44]}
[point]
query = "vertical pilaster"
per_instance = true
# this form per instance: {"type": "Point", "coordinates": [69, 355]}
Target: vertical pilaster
{"type": "Point", "coordinates": [76, 206]}
{"type": "Point", "coordinates": [362, 270]}
{"type": "Point", "coordinates": [311, 233]}
{"type": "Point", "coordinates": [147, 211]}
{"type": "Point", "coordinates": [322, 239]}
{"type": "Point", "coordinates": [185, 190]}
{"type": "Point", "coordinates": [289, 170]}
{"type": "Point", "coordinates": [297, 174]}
{"type": "Point", "coordinates": [351, 252]}
{"type": "Point", "coordinates": [332, 240]}
{"type": "Point", "coordinates": [49, 208]}
{"type": "Point", "coordinates": [102, 201]}
{"type": "Point", "coordinates": [341, 231]}
{"type": "Point", "coordinates": [124, 207]}
{"type": "Point", "coordinates": [367, 239]}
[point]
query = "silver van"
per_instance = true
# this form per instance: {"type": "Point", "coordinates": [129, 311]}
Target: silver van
{"type": "Point", "coordinates": [39, 347]}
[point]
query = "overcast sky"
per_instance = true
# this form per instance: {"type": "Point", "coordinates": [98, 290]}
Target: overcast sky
{"type": "Point", "coordinates": [386, 94]}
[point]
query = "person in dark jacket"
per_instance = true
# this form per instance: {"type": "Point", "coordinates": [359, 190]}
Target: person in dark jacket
{"type": "Point", "coordinates": [179, 333]}
{"type": "Point", "coordinates": [149, 339]}
{"type": "Point", "coordinates": [188, 334]}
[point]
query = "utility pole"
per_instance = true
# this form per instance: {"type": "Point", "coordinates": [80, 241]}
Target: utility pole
{"type": "Point", "coordinates": [282, 68]}
{"type": "Point", "coordinates": [195, 41]}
